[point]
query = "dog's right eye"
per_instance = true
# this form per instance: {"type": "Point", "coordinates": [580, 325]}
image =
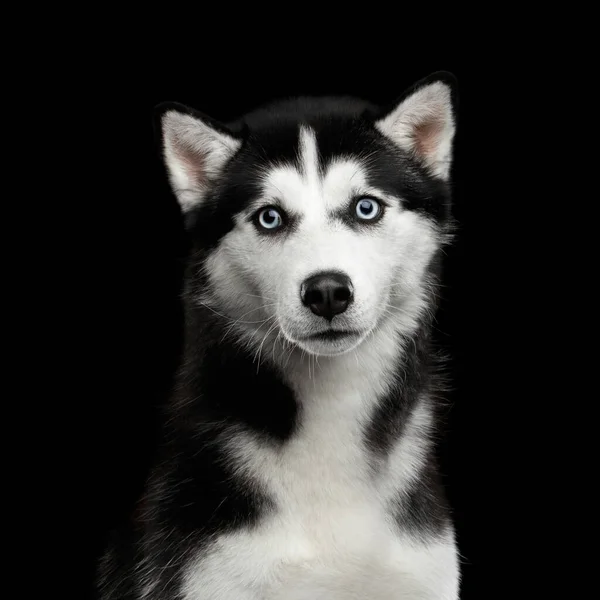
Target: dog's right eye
{"type": "Point", "coordinates": [269, 218]}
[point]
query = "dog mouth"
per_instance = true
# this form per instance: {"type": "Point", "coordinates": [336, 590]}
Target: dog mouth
{"type": "Point", "coordinates": [331, 335]}
{"type": "Point", "coordinates": [328, 342]}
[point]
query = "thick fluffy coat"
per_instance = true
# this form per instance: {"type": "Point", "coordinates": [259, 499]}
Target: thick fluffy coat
{"type": "Point", "coordinates": [298, 457]}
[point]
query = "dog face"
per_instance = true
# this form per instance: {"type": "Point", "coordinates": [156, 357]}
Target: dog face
{"type": "Point", "coordinates": [314, 221]}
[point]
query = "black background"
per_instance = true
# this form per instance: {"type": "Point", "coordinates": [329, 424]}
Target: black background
{"type": "Point", "coordinates": [133, 249]}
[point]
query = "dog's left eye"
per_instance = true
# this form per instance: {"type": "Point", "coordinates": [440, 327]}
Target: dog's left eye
{"type": "Point", "coordinates": [368, 209]}
{"type": "Point", "coordinates": [269, 218]}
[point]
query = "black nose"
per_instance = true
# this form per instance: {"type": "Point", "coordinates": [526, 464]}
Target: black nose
{"type": "Point", "coordinates": [327, 294]}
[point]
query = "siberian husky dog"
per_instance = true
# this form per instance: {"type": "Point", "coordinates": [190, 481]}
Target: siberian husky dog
{"type": "Point", "coordinates": [298, 460]}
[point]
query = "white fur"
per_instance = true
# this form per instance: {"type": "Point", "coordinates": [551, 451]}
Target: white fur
{"type": "Point", "coordinates": [428, 107]}
{"type": "Point", "coordinates": [194, 153]}
{"type": "Point", "coordinates": [385, 263]}
{"type": "Point", "coordinates": [331, 534]}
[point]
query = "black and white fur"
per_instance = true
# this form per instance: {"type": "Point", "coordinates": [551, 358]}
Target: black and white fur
{"type": "Point", "coordinates": [298, 464]}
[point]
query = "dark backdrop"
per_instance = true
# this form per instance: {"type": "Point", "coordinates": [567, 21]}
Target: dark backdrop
{"type": "Point", "coordinates": [136, 239]}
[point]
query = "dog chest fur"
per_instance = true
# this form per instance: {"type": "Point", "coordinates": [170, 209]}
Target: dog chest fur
{"type": "Point", "coordinates": [297, 461]}
{"type": "Point", "coordinates": [333, 498]}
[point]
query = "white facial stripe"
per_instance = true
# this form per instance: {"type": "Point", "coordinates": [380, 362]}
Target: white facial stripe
{"type": "Point", "coordinates": [309, 157]}
{"type": "Point", "coordinates": [311, 194]}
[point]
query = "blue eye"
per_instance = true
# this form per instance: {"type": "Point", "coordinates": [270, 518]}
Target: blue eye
{"type": "Point", "coordinates": [269, 218]}
{"type": "Point", "coordinates": [368, 209]}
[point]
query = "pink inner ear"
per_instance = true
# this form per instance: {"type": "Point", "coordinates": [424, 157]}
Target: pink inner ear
{"type": "Point", "coordinates": [427, 136]}
{"type": "Point", "coordinates": [193, 164]}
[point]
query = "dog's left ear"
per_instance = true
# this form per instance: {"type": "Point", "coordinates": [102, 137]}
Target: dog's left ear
{"type": "Point", "coordinates": [422, 122]}
{"type": "Point", "coordinates": [195, 150]}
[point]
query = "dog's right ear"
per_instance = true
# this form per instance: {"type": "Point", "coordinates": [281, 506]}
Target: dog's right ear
{"type": "Point", "coordinates": [423, 122]}
{"type": "Point", "coordinates": [195, 149]}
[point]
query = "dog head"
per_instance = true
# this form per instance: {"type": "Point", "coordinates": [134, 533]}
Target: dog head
{"type": "Point", "coordinates": [314, 220]}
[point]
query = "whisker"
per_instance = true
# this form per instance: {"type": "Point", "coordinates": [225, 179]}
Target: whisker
{"type": "Point", "coordinates": [256, 296]}
{"type": "Point", "coordinates": [239, 320]}
{"type": "Point", "coordinates": [261, 344]}
{"type": "Point", "coordinates": [230, 327]}
{"type": "Point", "coordinates": [230, 319]}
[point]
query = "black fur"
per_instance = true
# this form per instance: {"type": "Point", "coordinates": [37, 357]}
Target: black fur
{"type": "Point", "coordinates": [343, 126]}
{"type": "Point", "coordinates": [192, 493]}
{"type": "Point", "coordinates": [425, 511]}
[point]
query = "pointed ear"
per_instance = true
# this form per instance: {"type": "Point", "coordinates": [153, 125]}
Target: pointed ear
{"type": "Point", "coordinates": [422, 122]}
{"type": "Point", "coordinates": [195, 149]}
